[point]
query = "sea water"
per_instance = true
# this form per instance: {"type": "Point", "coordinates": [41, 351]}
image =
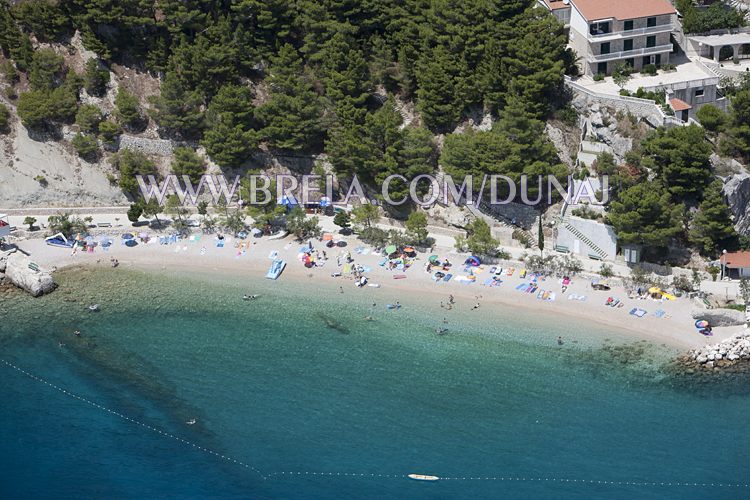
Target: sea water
{"type": "Point", "coordinates": [304, 397]}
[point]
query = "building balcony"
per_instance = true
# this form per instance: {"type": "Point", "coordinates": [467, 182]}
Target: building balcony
{"type": "Point", "coordinates": [616, 35]}
{"type": "Point", "coordinates": [627, 54]}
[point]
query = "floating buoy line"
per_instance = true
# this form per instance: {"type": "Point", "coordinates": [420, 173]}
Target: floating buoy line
{"type": "Point", "coordinates": [364, 475]}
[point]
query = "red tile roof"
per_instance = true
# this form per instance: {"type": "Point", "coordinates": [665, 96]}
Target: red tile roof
{"type": "Point", "coordinates": [593, 10]}
{"type": "Point", "coordinates": [734, 260]}
{"type": "Point", "coordinates": [557, 4]}
{"type": "Point", "coordinates": [679, 104]}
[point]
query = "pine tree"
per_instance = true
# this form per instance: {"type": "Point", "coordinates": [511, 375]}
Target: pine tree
{"type": "Point", "coordinates": [645, 214]}
{"type": "Point", "coordinates": [95, 78]}
{"type": "Point", "coordinates": [712, 229]}
{"type": "Point", "coordinates": [185, 161]}
{"type": "Point", "coordinates": [230, 138]}
{"type": "Point", "coordinates": [128, 110]}
{"type": "Point", "coordinates": [291, 117]}
{"type": "Point", "coordinates": [437, 94]}
{"type": "Point", "coordinates": [177, 109]}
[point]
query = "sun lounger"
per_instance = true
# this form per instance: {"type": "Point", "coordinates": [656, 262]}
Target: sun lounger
{"type": "Point", "coordinates": [522, 285]}
{"type": "Point", "coordinates": [447, 277]}
{"type": "Point", "coordinates": [659, 313]}
{"type": "Point", "coordinates": [104, 224]}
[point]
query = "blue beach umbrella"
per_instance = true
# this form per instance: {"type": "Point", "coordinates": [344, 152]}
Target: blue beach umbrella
{"type": "Point", "coordinates": [325, 201]}
{"type": "Point", "coordinates": [288, 201]}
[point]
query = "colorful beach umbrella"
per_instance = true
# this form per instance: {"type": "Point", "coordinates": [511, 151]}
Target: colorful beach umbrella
{"type": "Point", "coordinates": [390, 249]}
{"type": "Point", "coordinates": [327, 237]}
{"type": "Point", "coordinates": [701, 323]}
{"type": "Point", "coordinates": [433, 258]}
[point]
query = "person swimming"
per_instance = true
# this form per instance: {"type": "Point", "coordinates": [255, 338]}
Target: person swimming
{"type": "Point", "coordinates": [559, 341]}
{"type": "Point", "coordinates": [441, 330]}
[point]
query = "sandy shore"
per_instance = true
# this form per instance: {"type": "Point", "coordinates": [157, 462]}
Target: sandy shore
{"type": "Point", "coordinates": [675, 329]}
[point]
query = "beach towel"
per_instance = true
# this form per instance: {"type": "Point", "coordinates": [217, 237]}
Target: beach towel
{"type": "Point", "coordinates": [552, 297]}
{"type": "Point", "coordinates": [399, 276]}
{"type": "Point", "coordinates": [638, 312]}
{"type": "Point", "coordinates": [659, 313]}
{"type": "Point", "coordinates": [382, 262]}
{"type": "Point", "coordinates": [488, 282]}
{"type": "Point", "coordinates": [448, 277]}
{"type": "Point", "coordinates": [522, 285]}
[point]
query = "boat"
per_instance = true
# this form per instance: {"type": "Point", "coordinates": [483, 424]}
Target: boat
{"type": "Point", "coordinates": [277, 266]}
{"type": "Point", "coordinates": [423, 477]}
{"type": "Point", "coordinates": [58, 240]}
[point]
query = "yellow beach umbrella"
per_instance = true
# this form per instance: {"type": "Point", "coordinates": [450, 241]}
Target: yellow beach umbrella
{"type": "Point", "coordinates": [654, 289]}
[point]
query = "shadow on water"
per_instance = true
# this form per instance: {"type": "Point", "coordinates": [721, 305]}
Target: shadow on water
{"type": "Point", "coordinates": [333, 324]}
{"type": "Point", "coordinates": [649, 367]}
{"type": "Point", "coordinates": [131, 384]}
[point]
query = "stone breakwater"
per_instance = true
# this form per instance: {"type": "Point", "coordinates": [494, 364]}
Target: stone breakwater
{"type": "Point", "coordinates": [734, 351]}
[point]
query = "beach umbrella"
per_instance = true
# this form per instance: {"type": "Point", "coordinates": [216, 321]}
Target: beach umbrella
{"type": "Point", "coordinates": [325, 201]}
{"type": "Point", "coordinates": [473, 261]}
{"type": "Point", "coordinates": [256, 232]}
{"type": "Point", "coordinates": [390, 249]}
{"type": "Point", "coordinates": [433, 258]}
{"type": "Point", "coordinates": [128, 236]}
{"type": "Point", "coordinates": [288, 201]}
{"type": "Point", "coordinates": [410, 251]}
{"type": "Point", "coordinates": [131, 243]}
{"type": "Point", "coordinates": [242, 234]}
{"type": "Point", "coordinates": [701, 323]}
{"type": "Point", "coordinates": [654, 289]}
{"type": "Point", "coordinates": [327, 237]}
{"type": "Point", "coordinates": [341, 243]}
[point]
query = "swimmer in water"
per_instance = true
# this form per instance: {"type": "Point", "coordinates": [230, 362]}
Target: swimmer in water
{"type": "Point", "coordinates": [559, 341]}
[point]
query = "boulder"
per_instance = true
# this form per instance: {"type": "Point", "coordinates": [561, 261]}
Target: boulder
{"type": "Point", "coordinates": [737, 193]}
{"type": "Point", "coordinates": [20, 271]}
{"type": "Point", "coordinates": [721, 317]}
{"type": "Point", "coordinates": [4, 254]}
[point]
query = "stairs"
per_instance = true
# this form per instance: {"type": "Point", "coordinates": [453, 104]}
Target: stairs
{"type": "Point", "coordinates": [565, 222]}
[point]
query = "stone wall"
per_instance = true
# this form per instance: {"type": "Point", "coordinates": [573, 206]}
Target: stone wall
{"type": "Point", "coordinates": [158, 147]}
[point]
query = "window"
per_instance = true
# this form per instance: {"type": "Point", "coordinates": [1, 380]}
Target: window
{"type": "Point", "coordinates": [651, 41]}
{"type": "Point", "coordinates": [647, 60]}
{"type": "Point", "coordinates": [650, 22]}
{"type": "Point", "coordinates": [627, 44]}
{"type": "Point", "coordinates": [599, 28]}
{"type": "Point", "coordinates": [604, 48]}
{"type": "Point", "coordinates": [601, 68]}
{"type": "Point", "coordinates": [699, 93]}
{"type": "Point", "coordinates": [630, 62]}
{"type": "Point", "coordinates": [628, 25]}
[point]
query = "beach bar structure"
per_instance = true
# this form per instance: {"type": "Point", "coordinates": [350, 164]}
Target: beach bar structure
{"type": "Point", "coordinates": [735, 265]}
{"type": "Point", "coordinates": [4, 226]}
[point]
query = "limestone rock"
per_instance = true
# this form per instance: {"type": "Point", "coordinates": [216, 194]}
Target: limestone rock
{"type": "Point", "coordinates": [721, 317]}
{"type": "Point", "coordinates": [737, 193]}
{"type": "Point", "coordinates": [19, 273]}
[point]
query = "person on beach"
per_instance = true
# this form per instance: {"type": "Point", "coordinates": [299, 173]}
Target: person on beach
{"type": "Point", "coordinates": [476, 306]}
{"type": "Point", "coordinates": [341, 289]}
{"type": "Point", "coordinates": [450, 299]}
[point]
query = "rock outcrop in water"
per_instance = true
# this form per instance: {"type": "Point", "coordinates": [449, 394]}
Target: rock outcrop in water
{"type": "Point", "coordinates": [20, 271]}
{"type": "Point", "coordinates": [732, 351]}
{"type": "Point", "coordinates": [721, 317]}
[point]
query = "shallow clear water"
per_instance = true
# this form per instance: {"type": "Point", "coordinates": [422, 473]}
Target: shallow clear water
{"type": "Point", "coordinates": [299, 381]}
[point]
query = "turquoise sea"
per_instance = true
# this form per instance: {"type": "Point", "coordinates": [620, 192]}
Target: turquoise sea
{"type": "Point", "coordinates": [298, 381]}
